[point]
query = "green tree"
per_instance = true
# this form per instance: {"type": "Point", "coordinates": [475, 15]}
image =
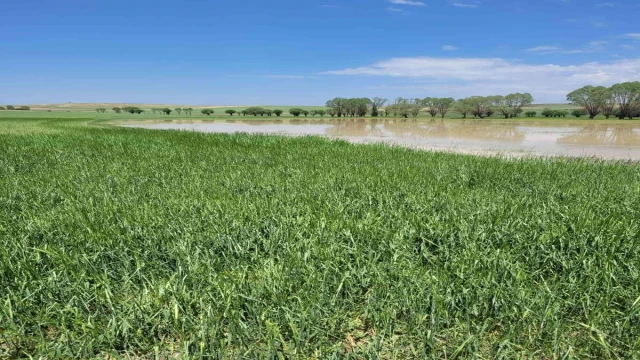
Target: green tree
{"type": "Point", "coordinates": [178, 110]}
{"type": "Point", "coordinates": [3, 108]}
{"type": "Point", "coordinates": [11, 107]}
{"type": "Point", "coordinates": [579, 112]}
{"type": "Point", "coordinates": [244, 112]}
{"type": "Point", "coordinates": [376, 104]}
{"type": "Point", "coordinates": [627, 98]}
{"type": "Point", "coordinates": [207, 111]}
{"type": "Point", "coordinates": [305, 113]}
{"type": "Point", "coordinates": [531, 113]}
{"type": "Point", "coordinates": [295, 112]}
{"type": "Point", "coordinates": [23, 107]}
{"type": "Point", "coordinates": [101, 110]}
{"type": "Point", "coordinates": [430, 104]}
{"type": "Point", "coordinates": [591, 98]}
{"type": "Point", "coordinates": [166, 111]}
{"type": "Point", "coordinates": [278, 112]}
{"type": "Point", "coordinates": [187, 111]}
{"type": "Point", "coordinates": [230, 112]}
{"type": "Point", "coordinates": [464, 107]}
{"type": "Point", "coordinates": [255, 111]}
{"type": "Point", "coordinates": [268, 112]}
{"type": "Point", "coordinates": [560, 113]}
{"type": "Point", "coordinates": [443, 105]}
{"type": "Point", "coordinates": [547, 112]}
{"type": "Point", "coordinates": [118, 110]}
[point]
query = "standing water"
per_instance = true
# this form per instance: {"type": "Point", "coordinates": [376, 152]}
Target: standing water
{"type": "Point", "coordinates": [615, 139]}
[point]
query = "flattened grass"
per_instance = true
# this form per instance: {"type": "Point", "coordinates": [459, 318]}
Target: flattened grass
{"type": "Point", "coordinates": [140, 243]}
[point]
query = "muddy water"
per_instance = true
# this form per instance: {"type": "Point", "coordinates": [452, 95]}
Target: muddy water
{"type": "Point", "coordinates": [604, 139]}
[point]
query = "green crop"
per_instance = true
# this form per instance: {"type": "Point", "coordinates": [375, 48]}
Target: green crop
{"type": "Point", "coordinates": [137, 243]}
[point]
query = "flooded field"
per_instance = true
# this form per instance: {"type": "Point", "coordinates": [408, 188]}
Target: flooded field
{"type": "Point", "coordinates": [615, 139]}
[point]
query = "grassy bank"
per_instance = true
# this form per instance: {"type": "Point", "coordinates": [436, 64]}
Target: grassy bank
{"type": "Point", "coordinates": [130, 242]}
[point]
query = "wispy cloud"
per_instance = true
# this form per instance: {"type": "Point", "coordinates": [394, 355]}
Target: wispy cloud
{"type": "Point", "coordinates": [635, 36]}
{"type": "Point", "coordinates": [329, 6]}
{"type": "Point", "coordinates": [627, 47]}
{"type": "Point", "coordinates": [284, 76]}
{"type": "Point", "coordinates": [485, 76]}
{"type": "Point", "coordinates": [396, 10]}
{"type": "Point", "coordinates": [465, 4]}
{"type": "Point", "coordinates": [407, 2]}
{"type": "Point", "coordinates": [544, 49]}
{"type": "Point", "coordinates": [449, 48]}
{"type": "Point", "coordinates": [606, 5]}
{"type": "Point", "coordinates": [591, 47]}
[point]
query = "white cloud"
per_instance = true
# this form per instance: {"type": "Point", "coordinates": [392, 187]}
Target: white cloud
{"type": "Point", "coordinates": [606, 5]}
{"type": "Point", "coordinates": [485, 76]}
{"type": "Point", "coordinates": [449, 48]}
{"type": "Point", "coordinates": [627, 47]}
{"type": "Point", "coordinates": [284, 76]}
{"type": "Point", "coordinates": [392, 9]}
{"type": "Point", "coordinates": [544, 49]}
{"type": "Point", "coordinates": [465, 4]}
{"type": "Point", "coordinates": [591, 47]}
{"type": "Point", "coordinates": [407, 2]}
{"type": "Point", "coordinates": [329, 6]}
{"type": "Point", "coordinates": [633, 36]}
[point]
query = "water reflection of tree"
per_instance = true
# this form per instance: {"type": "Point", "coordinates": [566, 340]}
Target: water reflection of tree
{"type": "Point", "coordinates": [619, 135]}
{"type": "Point", "coordinates": [355, 128]}
{"type": "Point", "coordinates": [470, 130]}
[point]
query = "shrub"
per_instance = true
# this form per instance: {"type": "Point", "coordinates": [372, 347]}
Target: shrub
{"type": "Point", "coordinates": [531, 113]}
{"type": "Point", "coordinates": [230, 112]}
{"type": "Point", "coordinates": [207, 111]}
{"type": "Point", "coordinates": [118, 110]}
{"type": "Point", "coordinates": [167, 111]}
{"type": "Point", "coordinates": [245, 112]}
{"type": "Point", "coordinates": [548, 113]}
{"type": "Point", "coordinates": [23, 108]}
{"type": "Point", "coordinates": [560, 113]}
{"type": "Point", "coordinates": [579, 112]}
{"type": "Point", "coordinates": [295, 112]}
{"type": "Point", "coordinates": [255, 111]}
{"type": "Point", "coordinates": [268, 112]}
{"type": "Point", "coordinates": [305, 113]}
{"type": "Point", "coordinates": [11, 107]}
{"type": "Point", "coordinates": [277, 112]}
{"type": "Point", "coordinates": [318, 112]}
{"type": "Point", "coordinates": [101, 110]}
{"type": "Point", "coordinates": [3, 108]}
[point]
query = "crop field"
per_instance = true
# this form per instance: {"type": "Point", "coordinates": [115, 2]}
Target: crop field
{"type": "Point", "coordinates": [133, 243]}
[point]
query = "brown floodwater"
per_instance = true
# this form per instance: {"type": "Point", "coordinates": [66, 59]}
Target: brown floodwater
{"type": "Point", "coordinates": [615, 139]}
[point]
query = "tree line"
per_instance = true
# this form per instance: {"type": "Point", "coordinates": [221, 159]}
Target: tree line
{"type": "Point", "coordinates": [620, 100]}
{"type": "Point", "coordinates": [11, 107]}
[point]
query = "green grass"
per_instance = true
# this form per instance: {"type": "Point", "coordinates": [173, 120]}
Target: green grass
{"type": "Point", "coordinates": [139, 243]}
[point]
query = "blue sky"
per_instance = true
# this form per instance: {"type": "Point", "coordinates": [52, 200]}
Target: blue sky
{"type": "Point", "coordinates": [303, 52]}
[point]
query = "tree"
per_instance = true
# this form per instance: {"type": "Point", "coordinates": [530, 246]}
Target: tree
{"type": "Point", "coordinates": [101, 110]}
{"type": "Point", "coordinates": [305, 113]}
{"type": "Point", "coordinates": [244, 112]}
{"type": "Point", "coordinates": [167, 111]}
{"type": "Point", "coordinates": [24, 108]}
{"type": "Point", "coordinates": [278, 112]}
{"type": "Point", "coordinates": [11, 107]}
{"type": "Point", "coordinates": [295, 112]}
{"type": "Point", "coordinates": [207, 111]}
{"type": "Point", "coordinates": [430, 103]}
{"type": "Point", "coordinates": [3, 108]}
{"type": "Point", "coordinates": [531, 113]}
{"type": "Point", "coordinates": [118, 110]}
{"type": "Point", "coordinates": [464, 107]}
{"type": "Point", "coordinates": [376, 103]}
{"type": "Point", "coordinates": [560, 113]}
{"type": "Point", "coordinates": [579, 112]}
{"type": "Point", "coordinates": [443, 105]}
{"type": "Point", "coordinates": [178, 110]}
{"type": "Point", "coordinates": [547, 112]}
{"type": "Point", "coordinates": [338, 105]}
{"type": "Point", "coordinates": [230, 112]}
{"type": "Point", "coordinates": [478, 105]}
{"type": "Point", "coordinates": [132, 110]}
{"type": "Point", "coordinates": [268, 112]}
{"type": "Point", "coordinates": [187, 111]}
{"type": "Point", "coordinates": [318, 112]}
{"type": "Point", "coordinates": [590, 98]}
{"type": "Point", "coordinates": [609, 106]}
{"type": "Point", "coordinates": [627, 97]}
{"type": "Point", "coordinates": [255, 111]}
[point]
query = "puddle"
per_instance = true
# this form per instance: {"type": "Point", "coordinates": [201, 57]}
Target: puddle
{"type": "Point", "coordinates": [615, 139]}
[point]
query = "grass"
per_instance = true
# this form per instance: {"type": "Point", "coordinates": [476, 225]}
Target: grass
{"type": "Point", "coordinates": [154, 244]}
